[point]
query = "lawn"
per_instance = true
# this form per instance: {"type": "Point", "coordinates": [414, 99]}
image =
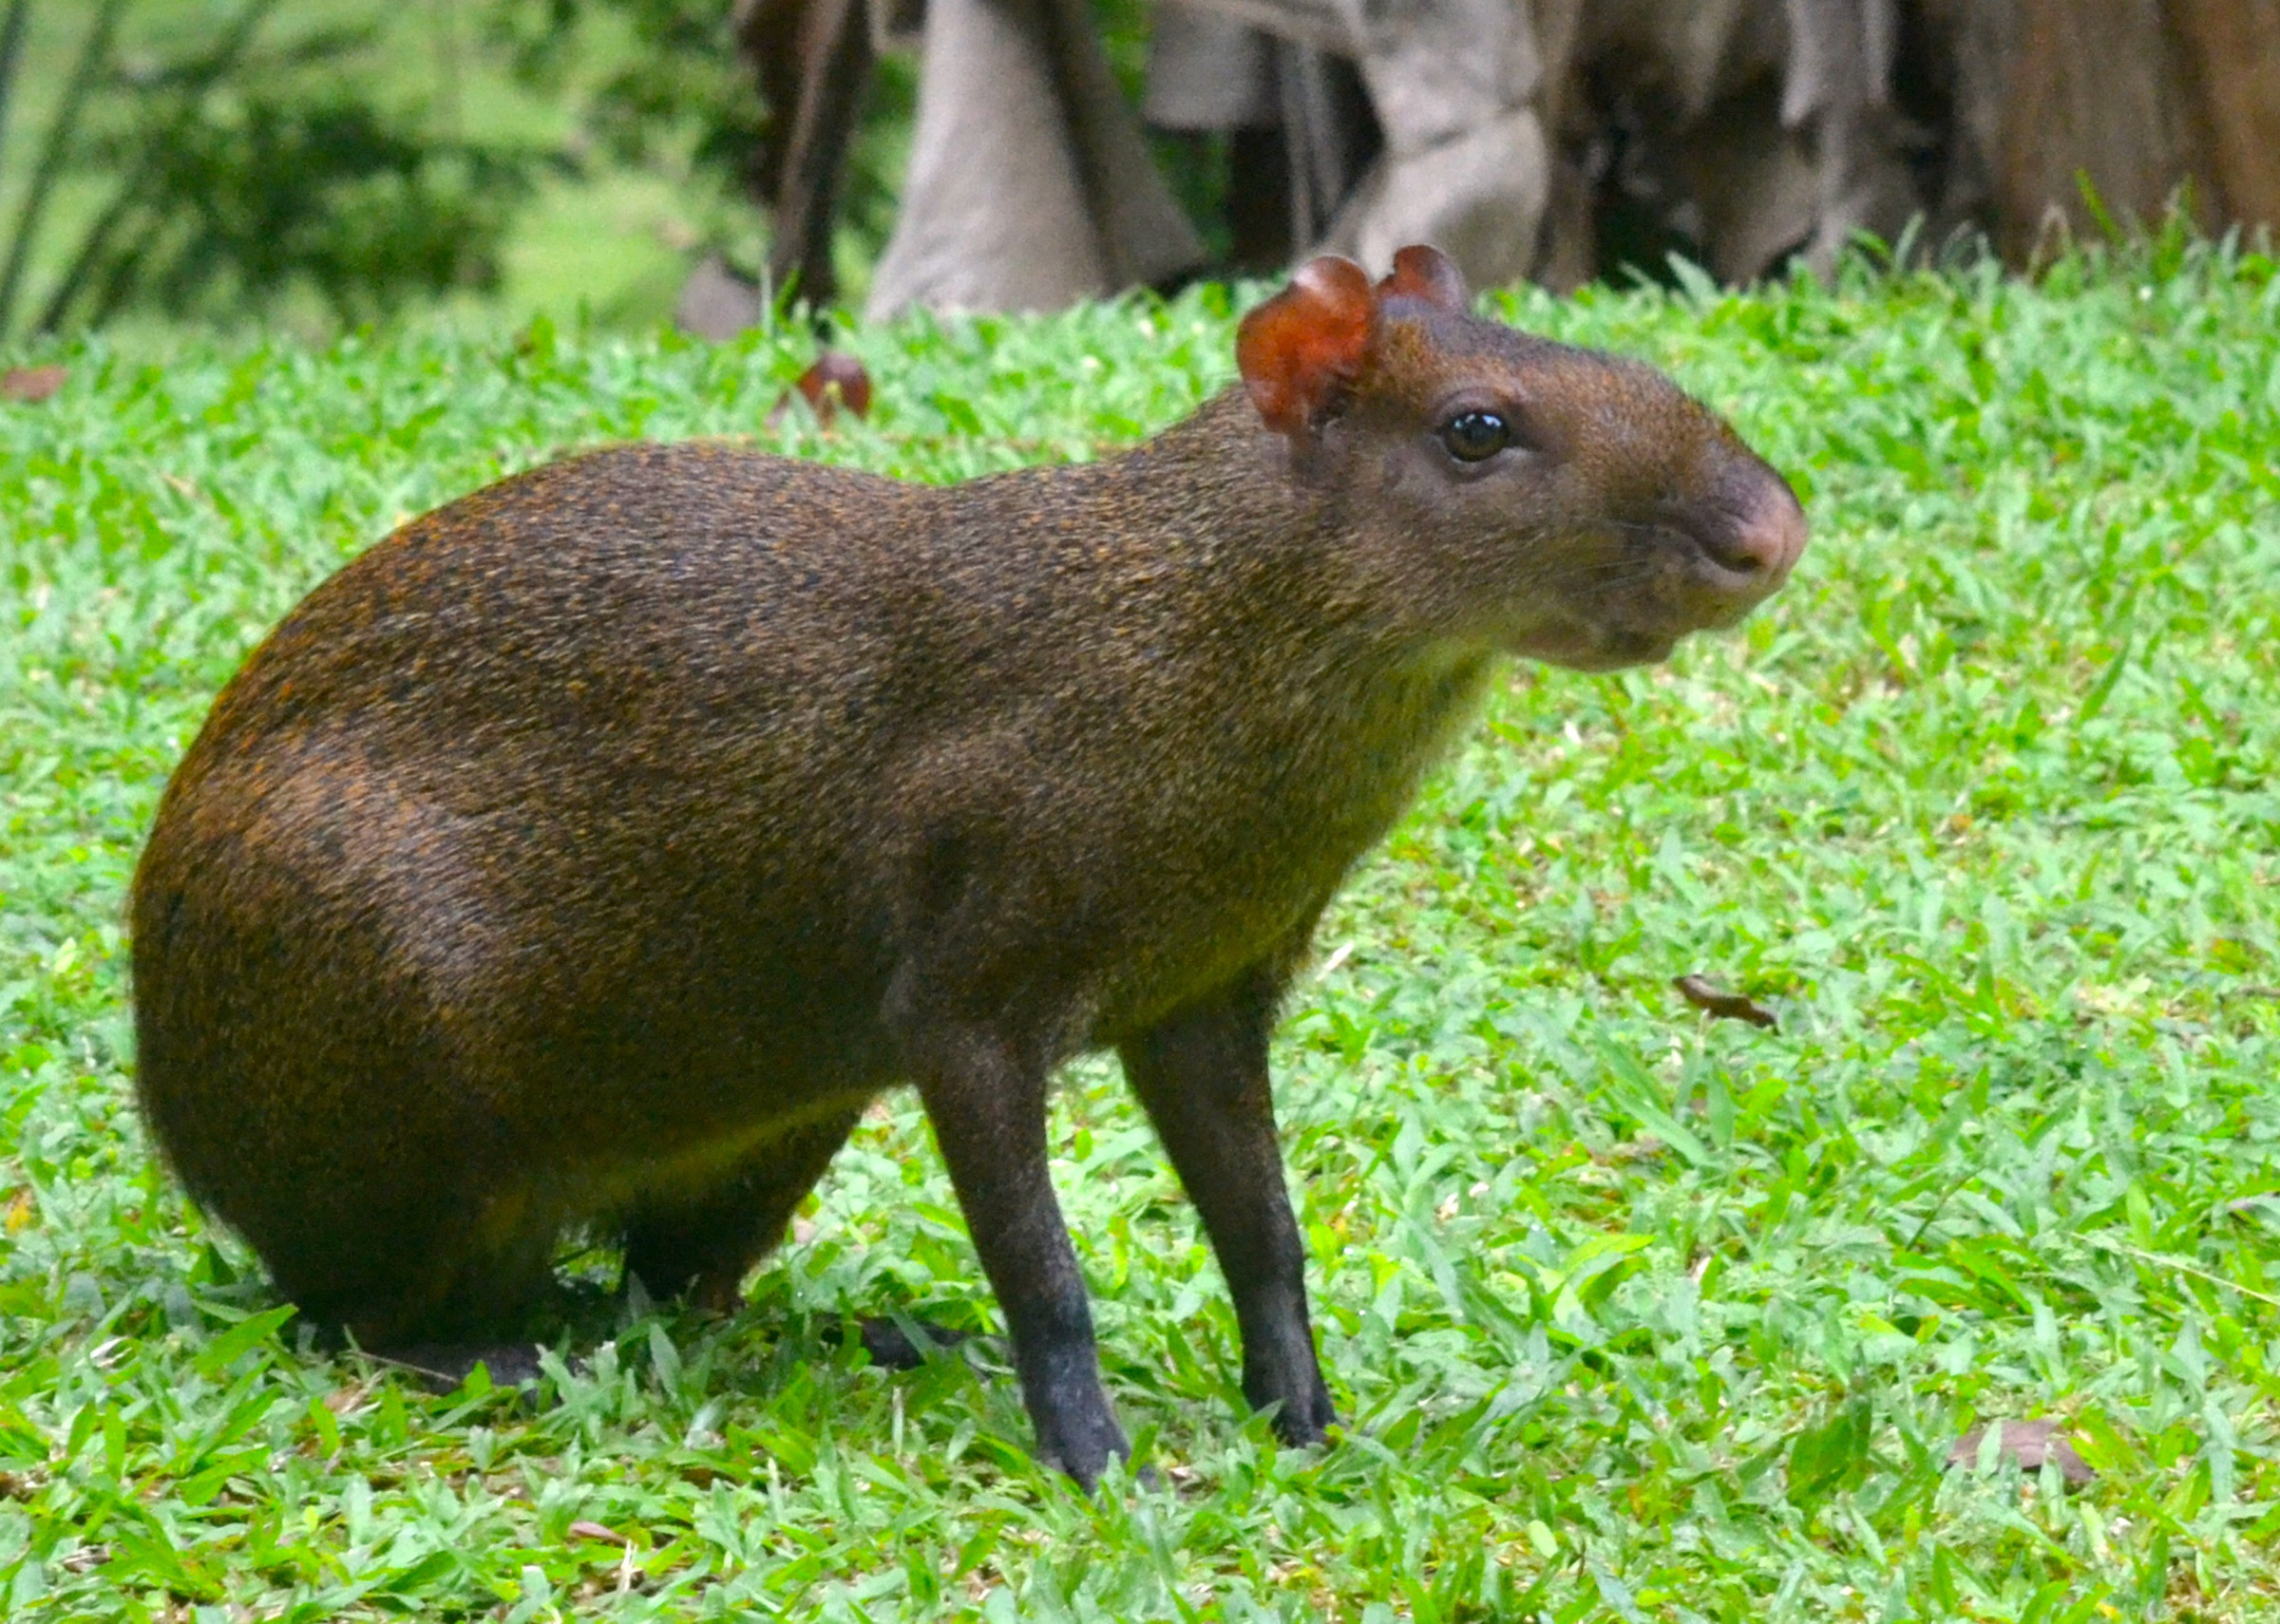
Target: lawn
{"type": "Point", "coordinates": [1635, 1314]}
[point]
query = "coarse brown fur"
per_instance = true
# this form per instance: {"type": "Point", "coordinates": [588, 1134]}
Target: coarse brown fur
{"type": "Point", "coordinates": [598, 845]}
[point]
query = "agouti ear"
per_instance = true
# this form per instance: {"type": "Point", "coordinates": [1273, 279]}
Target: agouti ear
{"type": "Point", "coordinates": [1423, 272]}
{"type": "Point", "coordinates": [1302, 349]}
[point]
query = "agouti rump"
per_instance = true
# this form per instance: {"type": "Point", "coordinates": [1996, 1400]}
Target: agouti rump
{"type": "Point", "coordinates": [595, 847]}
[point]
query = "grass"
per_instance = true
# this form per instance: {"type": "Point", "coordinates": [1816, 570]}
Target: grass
{"type": "Point", "coordinates": [1636, 1315]}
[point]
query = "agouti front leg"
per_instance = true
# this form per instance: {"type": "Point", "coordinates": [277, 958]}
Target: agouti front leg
{"type": "Point", "coordinates": [986, 1099]}
{"type": "Point", "coordinates": [1203, 1076]}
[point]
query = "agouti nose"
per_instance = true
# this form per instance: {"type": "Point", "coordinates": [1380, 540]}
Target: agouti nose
{"type": "Point", "coordinates": [1758, 533]}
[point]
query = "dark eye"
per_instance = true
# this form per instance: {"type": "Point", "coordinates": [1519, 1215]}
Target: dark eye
{"type": "Point", "coordinates": [1476, 435]}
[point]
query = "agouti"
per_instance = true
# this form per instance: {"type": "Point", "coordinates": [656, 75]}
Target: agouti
{"type": "Point", "coordinates": [595, 848]}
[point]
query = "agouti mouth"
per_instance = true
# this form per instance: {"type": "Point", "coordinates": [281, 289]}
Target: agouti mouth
{"type": "Point", "coordinates": [1583, 647]}
{"type": "Point", "coordinates": [1629, 646]}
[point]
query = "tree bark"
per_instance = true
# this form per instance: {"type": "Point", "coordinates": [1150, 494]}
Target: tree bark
{"type": "Point", "coordinates": [1030, 184]}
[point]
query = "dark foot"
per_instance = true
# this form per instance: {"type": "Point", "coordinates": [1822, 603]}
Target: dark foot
{"type": "Point", "coordinates": [891, 1347]}
{"type": "Point", "coordinates": [1084, 1446]}
{"type": "Point", "coordinates": [1305, 1422]}
{"type": "Point", "coordinates": [445, 1368]}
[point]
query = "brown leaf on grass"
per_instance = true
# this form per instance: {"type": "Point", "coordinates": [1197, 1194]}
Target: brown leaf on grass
{"type": "Point", "coordinates": [31, 384]}
{"type": "Point", "coordinates": [585, 1530]}
{"type": "Point", "coordinates": [1707, 996]}
{"type": "Point", "coordinates": [2030, 1444]}
{"type": "Point", "coordinates": [837, 378]}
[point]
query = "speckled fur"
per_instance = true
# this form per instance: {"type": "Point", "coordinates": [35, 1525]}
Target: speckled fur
{"type": "Point", "coordinates": [596, 846]}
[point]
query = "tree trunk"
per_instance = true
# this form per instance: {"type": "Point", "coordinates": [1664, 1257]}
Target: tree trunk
{"type": "Point", "coordinates": [2139, 97]}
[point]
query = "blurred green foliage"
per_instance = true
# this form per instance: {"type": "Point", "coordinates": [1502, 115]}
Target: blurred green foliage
{"type": "Point", "coordinates": [666, 85]}
{"type": "Point", "coordinates": [317, 163]}
{"type": "Point", "coordinates": [676, 74]}
{"type": "Point", "coordinates": [226, 163]}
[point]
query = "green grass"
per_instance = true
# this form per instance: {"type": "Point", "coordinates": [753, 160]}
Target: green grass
{"type": "Point", "coordinates": [1636, 1315]}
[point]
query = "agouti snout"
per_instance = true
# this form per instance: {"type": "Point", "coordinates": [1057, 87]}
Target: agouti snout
{"type": "Point", "coordinates": [594, 849]}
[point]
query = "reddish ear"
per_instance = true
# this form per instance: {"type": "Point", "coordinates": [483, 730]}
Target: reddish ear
{"type": "Point", "coordinates": [1423, 272]}
{"type": "Point", "coordinates": [1303, 348]}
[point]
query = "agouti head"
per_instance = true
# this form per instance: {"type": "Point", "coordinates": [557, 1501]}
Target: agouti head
{"type": "Point", "coordinates": [1509, 491]}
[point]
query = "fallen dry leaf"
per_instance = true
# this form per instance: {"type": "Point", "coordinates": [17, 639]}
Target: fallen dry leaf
{"type": "Point", "coordinates": [2030, 1444]}
{"type": "Point", "coordinates": [31, 384]}
{"type": "Point", "coordinates": [346, 1401]}
{"type": "Point", "coordinates": [1708, 997]}
{"type": "Point", "coordinates": [585, 1530]}
{"type": "Point", "coordinates": [836, 379]}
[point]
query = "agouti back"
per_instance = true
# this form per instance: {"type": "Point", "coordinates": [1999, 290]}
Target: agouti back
{"type": "Point", "coordinates": [595, 848]}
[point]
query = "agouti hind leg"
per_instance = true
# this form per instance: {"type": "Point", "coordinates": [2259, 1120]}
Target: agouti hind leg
{"type": "Point", "coordinates": [703, 1246]}
{"type": "Point", "coordinates": [481, 1294]}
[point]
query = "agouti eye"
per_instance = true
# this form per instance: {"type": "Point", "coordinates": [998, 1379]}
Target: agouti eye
{"type": "Point", "coordinates": [1475, 436]}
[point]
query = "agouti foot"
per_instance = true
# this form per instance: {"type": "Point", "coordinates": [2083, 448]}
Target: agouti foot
{"type": "Point", "coordinates": [1306, 1432]}
{"type": "Point", "coordinates": [1300, 1420]}
{"type": "Point", "coordinates": [445, 1368]}
{"type": "Point", "coordinates": [893, 1349]}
